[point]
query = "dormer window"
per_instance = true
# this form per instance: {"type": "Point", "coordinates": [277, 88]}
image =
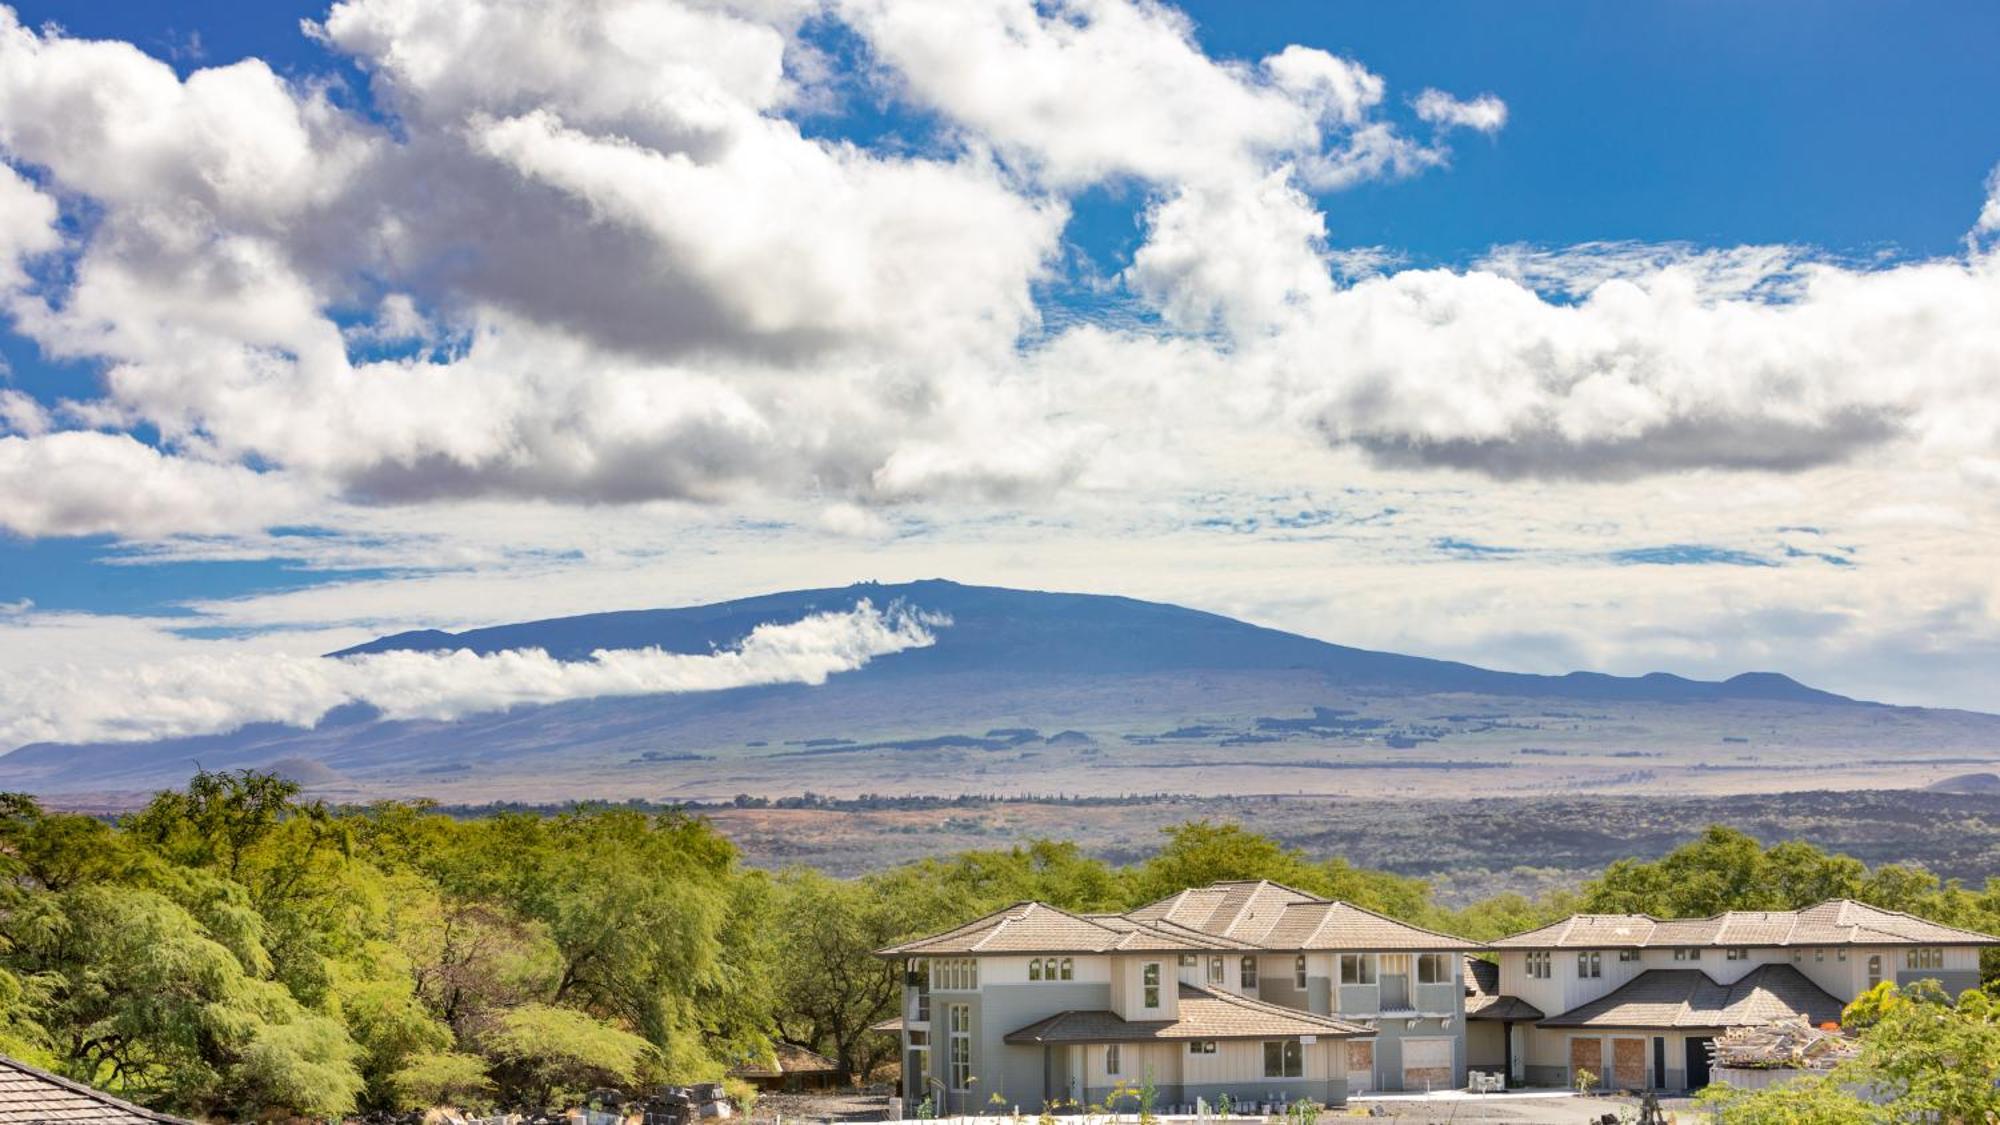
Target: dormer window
{"type": "Point", "coordinates": [1149, 980]}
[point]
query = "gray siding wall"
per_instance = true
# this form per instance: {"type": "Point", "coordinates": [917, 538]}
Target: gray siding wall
{"type": "Point", "coordinates": [1389, 1038]}
{"type": "Point", "coordinates": [1013, 1072]}
{"type": "Point", "coordinates": [1954, 981]}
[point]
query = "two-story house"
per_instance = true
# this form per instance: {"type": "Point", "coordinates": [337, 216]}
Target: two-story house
{"type": "Point", "coordinates": [1637, 1000]}
{"type": "Point", "coordinates": [1255, 990]}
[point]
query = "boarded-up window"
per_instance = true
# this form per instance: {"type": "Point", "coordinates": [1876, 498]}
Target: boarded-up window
{"type": "Point", "coordinates": [1628, 1064]}
{"type": "Point", "coordinates": [1586, 1054]}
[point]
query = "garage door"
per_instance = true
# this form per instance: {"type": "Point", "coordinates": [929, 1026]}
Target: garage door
{"type": "Point", "coordinates": [1427, 1064]}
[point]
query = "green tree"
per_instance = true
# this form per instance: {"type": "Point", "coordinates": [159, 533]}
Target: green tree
{"type": "Point", "coordinates": [545, 1056]}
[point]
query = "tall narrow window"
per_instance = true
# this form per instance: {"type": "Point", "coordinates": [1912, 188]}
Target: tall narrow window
{"type": "Point", "coordinates": [1874, 970]}
{"type": "Point", "coordinates": [1590, 964]}
{"type": "Point", "coordinates": [1035, 969]}
{"type": "Point", "coordinates": [1069, 968]}
{"type": "Point", "coordinates": [1215, 973]}
{"type": "Point", "coordinates": [960, 1025]}
{"type": "Point", "coordinates": [1249, 972]}
{"type": "Point", "coordinates": [1149, 977]}
{"type": "Point", "coordinates": [1111, 1060]}
{"type": "Point", "coordinates": [1299, 973]}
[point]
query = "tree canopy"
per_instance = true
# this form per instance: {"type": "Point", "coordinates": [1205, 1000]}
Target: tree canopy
{"type": "Point", "coordinates": [235, 951]}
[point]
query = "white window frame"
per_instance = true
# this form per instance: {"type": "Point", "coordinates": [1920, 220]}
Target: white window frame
{"type": "Point", "coordinates": [1736, 953]}
{"type": "Point", "coordinates": [1590, 964]}
{"type": "Point", "coordinates": [1299, 973]}
{"type": "Point", "coordinates": [1628, 955]}
{"type": "Point", "coordinates": [1149, 985]}
{"type": "Point", "coordinates": [1249, 972]}
{"type": "Point", "coordinates": [1111, 1060]}
{"type": "Point", "coordinates": [1217, 973]}
{"type": "Point", "coordinates": [1360, 968]}
{"type": "Point", "coordinates": [1539, 963]}
{"type": "Point", "coordinates": [958, 1024]}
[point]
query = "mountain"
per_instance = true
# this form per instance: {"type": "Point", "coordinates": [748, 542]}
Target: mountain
{"type": "Point", "coordinates": [998, 630]}
{"type": "Point", "coordinates": [1033, 692]}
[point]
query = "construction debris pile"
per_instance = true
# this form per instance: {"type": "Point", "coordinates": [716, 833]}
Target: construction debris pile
{"type": "Point", "coordinates": [1789, 1044]}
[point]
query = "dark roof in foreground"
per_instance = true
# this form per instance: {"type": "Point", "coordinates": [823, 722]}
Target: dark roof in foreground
{"type": "Point", "coordinates": [1676, 998]}
{"type": "Point", "coordinates": [32, 1096]}
{"type": "Point", "coordinates": [1485, 1001]}
{"type": "Point", "coordinates": [1204, 1014]}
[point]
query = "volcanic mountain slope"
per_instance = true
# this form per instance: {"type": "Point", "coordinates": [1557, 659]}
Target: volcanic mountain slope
{"type": "Point", "coordinates": [1032, 692]}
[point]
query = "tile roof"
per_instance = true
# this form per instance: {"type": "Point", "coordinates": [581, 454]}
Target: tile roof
{"type": "Point", "coordinates": [1689, 998]}
{"type": "Point", "coordinates": [1834, 922]}
{"type": "Point", "coordinates": [30, 1096]}
{"type": "Point", "coordinates": [1204, 1014]}
{"type": "Point", "coordinates": [1035, 927]}
{"type": "Point", "coordinates": [1485, 1001]}
{"type": "Point", "coordinates": [1273, 916]}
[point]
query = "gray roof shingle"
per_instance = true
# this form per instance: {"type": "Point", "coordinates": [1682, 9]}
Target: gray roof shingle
{"type": "Point", "coordinates": [1689, 998]}
{"type": "Point", "coordinates": [1485, 1001]}
{"type": "Point", "coordinates": [1834, 922]}
{"type": "Point", "coordinates": [32, 1096]}
{"type": "Point", "coordinates": [1204, 1014]}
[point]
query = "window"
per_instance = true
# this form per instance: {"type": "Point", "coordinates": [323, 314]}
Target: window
{"type": "Point", "coordinates": [1283, 1059]}
{"type": "Point", "coordinates": [1357, 968]}
{"type": "Point", "coordinates": [1538, 964]}
{"type": "Point", "coordinates": [1434, 968]}
{"type": "Point", "coordinates": [1215, 975]}
{"type": "Point", "coordinates": [1299, 973]}
{"type": "Point", "coordinates": [1924, 959]}
{"type": "Point", "coordinates": [1201, 1046]}
{"type": "Point", "coordinates": [1841, 954]}
{"type": "Point", "coordinates": [1628, 955]}
{"type": "Point", "coordinates": [1111, 1059]}
{"type": "Point", "coordinates": [1688, 953]}
{"type": "Point", "coordinates": [1736, 954]}
{"type": "Point", "coordinates": [959, 1021]}
{"type": "Point", "coordinates": [1797, 956]}
{"type": "Point", "coordinates": [1819, 955]}
{"type": "Point", "coordinates": [1052, 968]}
{"type": "Point", "coordinates": [1590, 964]}
{"type": "Point", "coordinates": [1187, 960]}
{"type": "Point", "coordinates": [959, 974]}
{"type": "Point", "coordinates": [1149, 976]}
{"type": "Point", "coordinates": [1874, 970]}
{"type": "Point", "coordinates": [920, 1038]}
{"type": "Point", "coordinates": [1249, 972]}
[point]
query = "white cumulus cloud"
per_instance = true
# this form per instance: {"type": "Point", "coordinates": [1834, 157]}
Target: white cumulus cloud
{"type": "Point", "coordinates": [215, 694]}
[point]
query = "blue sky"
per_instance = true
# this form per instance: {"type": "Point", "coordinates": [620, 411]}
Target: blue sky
{"type": "Point", "coordinates": [301, 369]}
